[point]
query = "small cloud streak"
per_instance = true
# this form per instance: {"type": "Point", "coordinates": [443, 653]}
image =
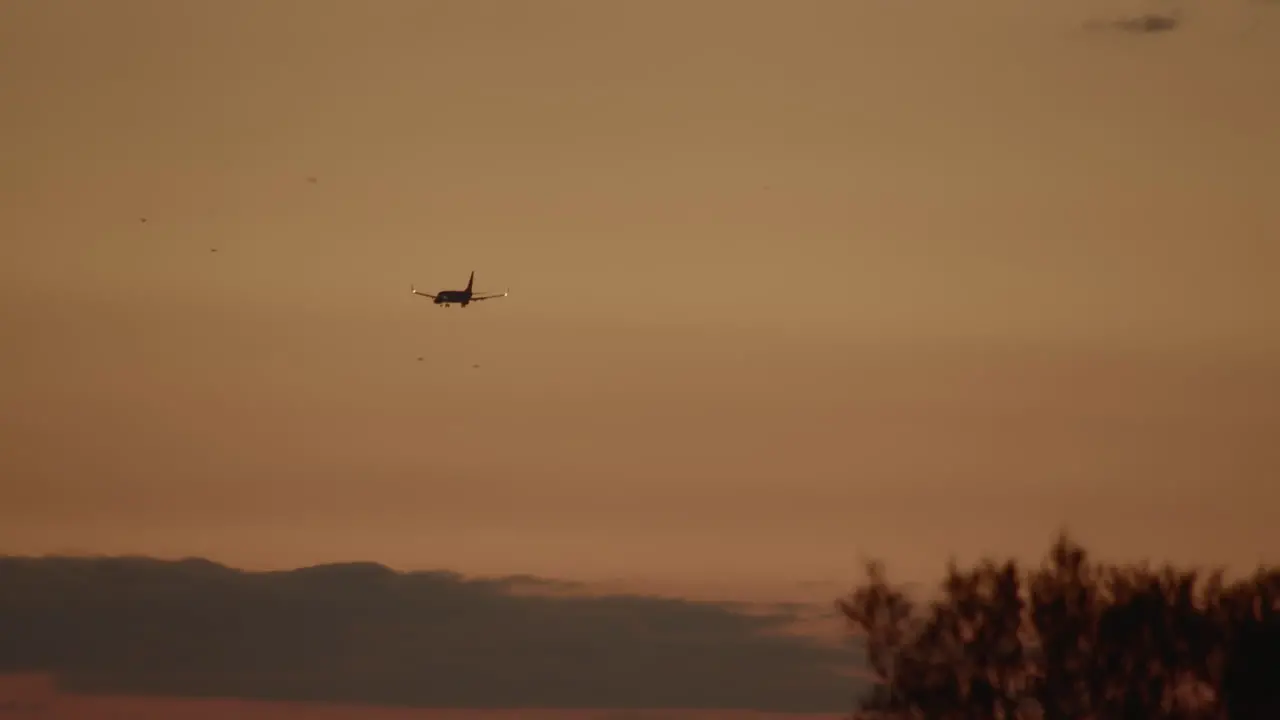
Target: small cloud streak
{"type": "Point", "coordinates": [363, 633]}
{"type": "Point", "coordinates": [1143, 24]}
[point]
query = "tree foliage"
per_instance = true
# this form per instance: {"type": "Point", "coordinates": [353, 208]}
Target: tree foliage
{"type": "Point", "coordinates": [1069, 640]}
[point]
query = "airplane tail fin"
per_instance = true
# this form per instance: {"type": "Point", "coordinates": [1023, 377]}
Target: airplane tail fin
{"type": "Point", "coordinates": [471, 280]}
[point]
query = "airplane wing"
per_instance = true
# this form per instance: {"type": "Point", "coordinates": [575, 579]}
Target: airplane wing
{"type": "Point", "coordinates": [414, 290]}
{"type": "Point", "coordinates": [489, 297]}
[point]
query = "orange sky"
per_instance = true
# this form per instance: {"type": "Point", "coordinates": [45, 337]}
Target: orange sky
{"type": "Point", "coordinates": [791, 282]}
{"type": "Point", "coordinates": [31, 691]}
{"type": "Point", "coordinates": [140, 708]}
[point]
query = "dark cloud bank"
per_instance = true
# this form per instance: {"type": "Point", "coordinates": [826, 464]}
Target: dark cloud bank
{"type": "Point", "coordinates": [364, 633]}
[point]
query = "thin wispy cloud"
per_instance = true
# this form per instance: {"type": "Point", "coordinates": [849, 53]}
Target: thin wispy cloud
{"type": "Point", "coordinates": [1142, 24]}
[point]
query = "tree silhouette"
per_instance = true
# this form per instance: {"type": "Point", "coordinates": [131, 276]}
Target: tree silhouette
{"type": "Point", "coordinates": [1070, 640]}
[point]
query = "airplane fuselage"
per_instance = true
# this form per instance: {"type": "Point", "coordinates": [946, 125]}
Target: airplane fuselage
{"type": "Point", "coordinates": [462, 297]}
{"type": "Point", "coordinates": [450, 297]}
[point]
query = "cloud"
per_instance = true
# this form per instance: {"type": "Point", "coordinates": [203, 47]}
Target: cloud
{"type": "Point", "coordinates": [1143, 24]}
{"type": "Point", "coordinates": [1169, 16]}
{"type": "Point", "coordinates": [363, 633]}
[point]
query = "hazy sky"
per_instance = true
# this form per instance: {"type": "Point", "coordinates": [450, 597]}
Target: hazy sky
{"type": "Point", "coordinates": [791, 282]}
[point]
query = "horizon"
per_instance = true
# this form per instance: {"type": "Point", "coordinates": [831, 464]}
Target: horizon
{"type": "Point", "coordinates": [38, 691]}
{"type": "Point", "coordinates": [69, 608]}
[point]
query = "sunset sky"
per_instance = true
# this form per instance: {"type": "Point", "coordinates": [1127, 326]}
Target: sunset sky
{"type": "Point", "coordinates": [792, 283]}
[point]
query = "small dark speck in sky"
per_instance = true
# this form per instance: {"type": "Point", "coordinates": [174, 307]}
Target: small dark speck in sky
{"type": "Point", "coordinates": [1140, 24]}
{"type": "Point", "coordinates": [312, 179]}
{"type": "Point", "coordinates": [213, 249]}
{"type": "Point", "coordinates": [419, 358]}
{"type": "Point", "coordinates": [1149, 23]}
{"type": "Point", "coordinates": [142, 220]}
{"type": "Point", "coordinates": [475, 366]}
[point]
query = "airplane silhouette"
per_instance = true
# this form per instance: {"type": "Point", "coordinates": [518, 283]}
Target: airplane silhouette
{"type": "Point", "coordinates": [461, 297]}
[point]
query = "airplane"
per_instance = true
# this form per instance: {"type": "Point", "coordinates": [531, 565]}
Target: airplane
{"type": "Point", "coordinates": [461, 297]}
